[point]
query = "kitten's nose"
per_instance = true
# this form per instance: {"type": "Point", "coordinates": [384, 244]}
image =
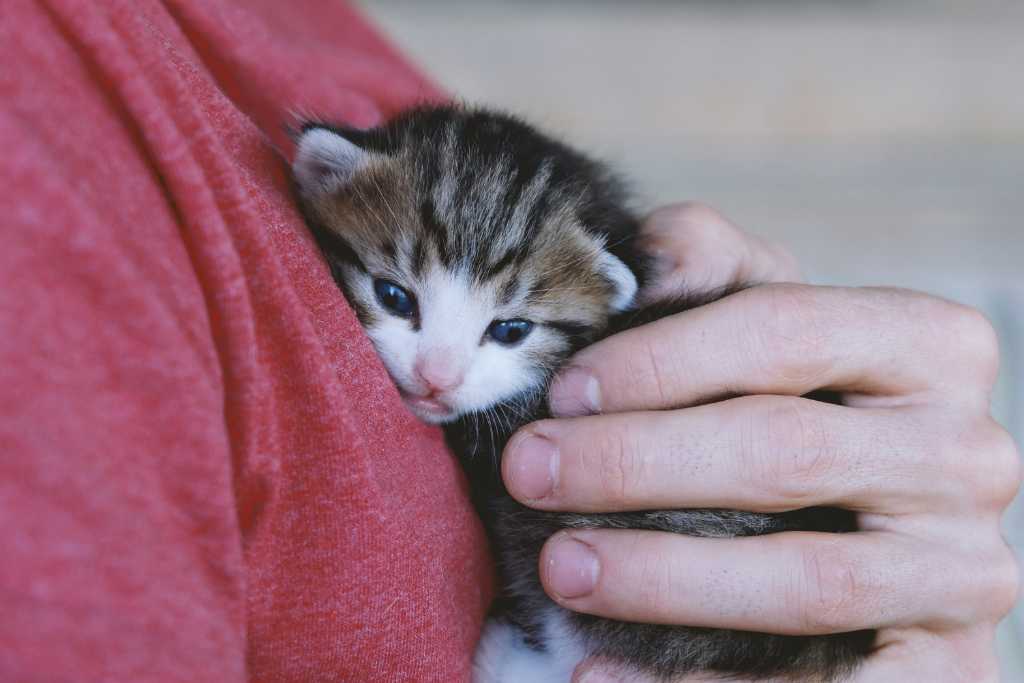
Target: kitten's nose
{"type": "Point", "coordinates": [438, 371]}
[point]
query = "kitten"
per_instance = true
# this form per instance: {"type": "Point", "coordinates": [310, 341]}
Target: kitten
{"type": "Point", "coordinates": [479, 254]}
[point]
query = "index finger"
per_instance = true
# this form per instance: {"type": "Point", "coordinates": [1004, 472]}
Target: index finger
{"type": "Point", "coordinates": [786, 339]}
{"type": "Point", "coordinates": [697, 249]}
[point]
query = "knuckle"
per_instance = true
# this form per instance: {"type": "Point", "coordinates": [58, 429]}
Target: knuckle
{"type": "Point", "coordinates": [996, 586]}
{"type": "Point", "coordinates": [1004, 584]}
{"type": "Point", "coordinates": [793, 334]}
{"type": "Point", "coordinates": [975, 339]}
{"type": "Point", "coordinates": [969, 654]}
{"type": "Point", "coordinates": [974, 655]}
{"type": "Point", "coordinates": [994, 476]}
{"type": "Point", "coordinates": [621, 470]}
{"type": "Point", "coordinates": [700, 228]}
{"type": "Point", "coordinates": [696, 217]}
{"type": "Point", "coordinates": [984, 577]}
{"type": "Point", "coordinates": [789, 267]}
{"type": "Point", "coordinates": [830, 592]}
{"type": "Point", "coordinates": [657, 581]}
{"type": "Point", "coordinates": [1005, 465]}
{"type": "Point", "coordinates": [658, 367]}
{"type": "Point", "coordinates": [791, 451]}
{"type": "Point", "coordinates": [984, 663]}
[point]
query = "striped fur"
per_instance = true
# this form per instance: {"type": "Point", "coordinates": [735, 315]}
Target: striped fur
{"type": "Point", "coordinates": [482, 218]}
{"type": "Point", "coordinates": [445, 200]}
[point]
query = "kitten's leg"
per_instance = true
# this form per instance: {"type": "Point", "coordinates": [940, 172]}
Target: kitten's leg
{"type": "Point", "coordinates": [503, 656]}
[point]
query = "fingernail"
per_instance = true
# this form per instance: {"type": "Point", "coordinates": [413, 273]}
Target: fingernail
{"type": "Point", "coordinates": [575, 392]}
{"type": "Point", "coordinates": [572, 568]}
{"type": "Point", "coordinates": [533, 466]}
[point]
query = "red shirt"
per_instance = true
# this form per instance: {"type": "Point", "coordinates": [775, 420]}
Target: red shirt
{"type": "Point", "coordinates": [205, 472]}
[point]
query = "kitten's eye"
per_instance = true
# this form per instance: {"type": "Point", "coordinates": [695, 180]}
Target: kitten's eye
{"type": "Point", "coordinates": [394, 298]}
{"type": "Point", "coordinates": [509, 332]}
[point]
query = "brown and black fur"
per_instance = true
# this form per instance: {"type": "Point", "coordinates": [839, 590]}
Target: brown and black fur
{"type": "Point", "coordinates": [428, 144]}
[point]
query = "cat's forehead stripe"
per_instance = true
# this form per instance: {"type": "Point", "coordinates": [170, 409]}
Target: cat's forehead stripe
{"type": "Point", "coordinates": [504, 230]}
{"type": "Point", "coordinates": [418, 259]}
{"type": "Point", "coordinates": [531, 202]}
{"type": "Point", "coordinates": [477, 174]}
{"type": "Point", "coordinates": [508, 291]}
{"type": "Point", "coordinates": [488, 271]}
{"type": "Point", "coordinates": [437, 232]}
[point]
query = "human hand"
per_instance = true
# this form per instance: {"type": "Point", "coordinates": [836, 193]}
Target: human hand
{"type": "Point", "coordinates": [704, 409]}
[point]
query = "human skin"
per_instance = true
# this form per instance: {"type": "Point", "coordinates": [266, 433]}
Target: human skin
{"type": "Point", "coordinates": [705, 409]}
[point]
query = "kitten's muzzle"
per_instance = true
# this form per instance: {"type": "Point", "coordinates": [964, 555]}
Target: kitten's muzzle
{"type": "Point", "coordinates": [430, 407]}
{"type": "Point", "coordinates": [437, 371]}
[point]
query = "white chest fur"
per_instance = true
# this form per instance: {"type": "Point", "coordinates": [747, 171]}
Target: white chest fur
{"type": "Point", "coordinates": [503, 656]}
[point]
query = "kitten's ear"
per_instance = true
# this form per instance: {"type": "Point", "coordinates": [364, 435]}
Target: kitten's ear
{"type": "Point", "coordinates": [324, 160]}
{"type": "Point", "coordinates": [622, 278]}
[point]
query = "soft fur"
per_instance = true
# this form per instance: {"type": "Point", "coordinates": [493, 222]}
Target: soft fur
{"type": "Point", "coordinates": [481, 219]}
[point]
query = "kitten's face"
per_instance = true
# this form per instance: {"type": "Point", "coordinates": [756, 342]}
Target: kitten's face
{"type": "Point", "coordinates": [472, 292]}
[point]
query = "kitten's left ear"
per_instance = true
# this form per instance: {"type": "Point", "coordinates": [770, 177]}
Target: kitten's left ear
{"type": "Point", "coordinates": [325, 160]}
{"type": "Point", "coordinates": [622, 279]}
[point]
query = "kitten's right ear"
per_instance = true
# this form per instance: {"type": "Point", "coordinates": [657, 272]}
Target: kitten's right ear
{"type": "Point", "coordinates": [325, 160]}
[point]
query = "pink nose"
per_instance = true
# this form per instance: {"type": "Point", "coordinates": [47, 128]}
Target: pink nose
{"type": "Point", "coordinates": [438, 373]}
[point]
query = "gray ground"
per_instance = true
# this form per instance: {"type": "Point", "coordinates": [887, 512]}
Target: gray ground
{"type": "Point", "coordinates": [883, 142]}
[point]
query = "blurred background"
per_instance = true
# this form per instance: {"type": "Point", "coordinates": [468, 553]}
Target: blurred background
{"type": "Point", "coordinates": [881, 141]}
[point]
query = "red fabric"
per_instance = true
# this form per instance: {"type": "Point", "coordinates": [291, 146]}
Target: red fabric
{"type": "Point", "coordinates": [205, 474]}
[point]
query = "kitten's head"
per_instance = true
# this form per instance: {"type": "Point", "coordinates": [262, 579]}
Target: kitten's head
{"type": "Point", "coordinates": [477, 253]}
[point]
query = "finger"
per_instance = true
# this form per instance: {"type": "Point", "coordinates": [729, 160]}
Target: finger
{"type": "Point", "coordinates": [604, 671]}
{"type": "Point", "coordinates": [595, 670]}
{"type": "Point", "coordinates": [961, 655]}
{"type": "Point", "coordinates": [788, 583]}
{"type": "Point", "coordinates": [914, 655]}
{"type": "Point", "coordinates": [761, 453]}
{"type": "Point", "coordinates": [787, 339]}
{"type": "Point", "coordinates": [696, 249]}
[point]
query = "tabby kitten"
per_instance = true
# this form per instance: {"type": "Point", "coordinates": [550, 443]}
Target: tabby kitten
{"type": "Point", "coordinates": [479, 254]}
